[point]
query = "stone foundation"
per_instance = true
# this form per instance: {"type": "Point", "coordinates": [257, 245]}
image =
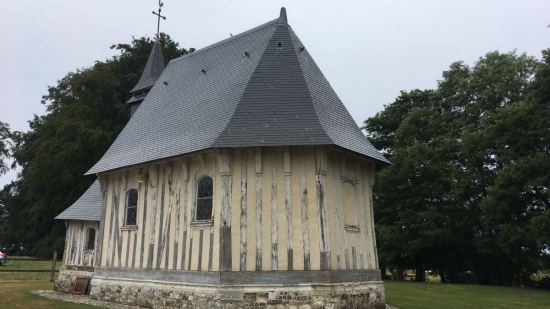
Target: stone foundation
{"type": "Point", "coordinates": [178, 295]}
{"type": "Point", "coordinates": [67, 276]}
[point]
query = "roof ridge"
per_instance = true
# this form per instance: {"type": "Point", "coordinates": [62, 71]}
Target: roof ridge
{"type": "Point", "coordinates": [350, 139]}
{"type": "Point", "coordinates": [292, 36]}
{"type": "Point", "coordinates": [226, 40]}
{"type": "Point", "coordinates": [276, 23]}
{"type": "Point", "coordinates": [280, 62]}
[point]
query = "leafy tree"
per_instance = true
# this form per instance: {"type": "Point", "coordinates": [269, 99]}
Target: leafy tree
{"type": "Point", "coordinates": [468, 185]}
{"type": "Point", "coordinates": [4, 146]}
{"type": "Point", "coordinates": [85, 112]}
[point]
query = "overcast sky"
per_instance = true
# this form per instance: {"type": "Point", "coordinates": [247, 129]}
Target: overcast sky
{"type": "Point", "coordinates": [368, 50]}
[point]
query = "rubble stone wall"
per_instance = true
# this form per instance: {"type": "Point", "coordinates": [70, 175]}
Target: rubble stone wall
{"type": "Point", "coordinates": [67, 276]}
{"type": "Point", "coordinates": [156, 294]}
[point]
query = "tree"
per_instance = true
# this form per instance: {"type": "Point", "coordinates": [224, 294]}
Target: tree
{"type": "Point", "coordinates": [4, 146]}
{"type": "Point", "coordinates": [468, 183]}
{"type": "Point", "coordinates": [85, 112]}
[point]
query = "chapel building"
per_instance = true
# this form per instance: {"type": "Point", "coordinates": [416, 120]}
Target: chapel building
{"type": "Point", "coordinates": [240, 180]}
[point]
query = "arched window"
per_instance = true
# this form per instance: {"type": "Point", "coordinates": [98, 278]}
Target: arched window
{"type": "Point", "coordinates": [90, 244]}
{"type": "Point", "coordinates": [204, 199]}
{"type": "Point", "coordinates": [131, 207]}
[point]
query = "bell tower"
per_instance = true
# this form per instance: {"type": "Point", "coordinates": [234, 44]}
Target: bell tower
{"type": "Point", "coordinates": [153, 68]}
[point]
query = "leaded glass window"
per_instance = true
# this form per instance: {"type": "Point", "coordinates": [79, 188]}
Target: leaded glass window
{"type": "Point", "coordinates": [131, 207]}
{"type": "Point", "coordinates": [204, 199]}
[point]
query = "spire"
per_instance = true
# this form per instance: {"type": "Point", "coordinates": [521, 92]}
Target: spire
{"type": "Point", "coordinates": [153, 68]}
{"type": "Point", "coordinates": [282, 16]}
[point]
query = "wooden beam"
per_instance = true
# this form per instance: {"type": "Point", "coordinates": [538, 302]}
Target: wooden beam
{"type": "Point", "coordinates": [258, 189]}
{"type": "Point", "coordinates": [177, 217]}
{"type": "Point", "coordinates": [186, 208]}
{"type": "Point", "coordinates": [321, 189]}
{"type": "Point", "coordinates": [99, 245]}
{"type": "Point", "coordinates": [274, 226]}
{"type": "Point", "coordinates": [111, 220]}
{"type": "Point", "coordinates": [154, 188]}
{"type": "Point", "coordinates": [304, 211]}
{"type": "Point", "coordinates": [244, 210]}
{"type": "Point", "coordinates": [240, 278]}
{"type": "Point", "coordinates": [165, 233]}
{"type": "Point", "coordinates": [125, 237]}
{"type": "Point", "coordinates": [371, 205]}
{"type": "Point", "coordinates": [161, 219]}
{"type": "Point", "coordinates": [288, 206]}
{"type": "Point", "coordinates": [201, 235]}
{"type": "Point", "coordinates": [224, 168]}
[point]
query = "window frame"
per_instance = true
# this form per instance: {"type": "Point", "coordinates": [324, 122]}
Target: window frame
{"type": "Point", "coordinates": [89, 231]}
{"type": "Point", "coordinates": [127, 206]}
{"type": "Point", "coordinates": [198, 222]}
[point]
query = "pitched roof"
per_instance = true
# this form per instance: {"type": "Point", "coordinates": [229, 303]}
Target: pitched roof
{"type": "Point", "coordinates": [153, 69]}
{"type": "Point", "coordinates": [258, 88]}
{"type": "Point", "coordinates": [87, 207]}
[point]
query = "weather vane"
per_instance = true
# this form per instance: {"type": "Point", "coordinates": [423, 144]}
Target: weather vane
{"type": "Point", "coordinates": [159, 16]}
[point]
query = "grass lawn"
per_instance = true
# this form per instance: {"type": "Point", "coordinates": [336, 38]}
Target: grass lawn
{"type": "Point", "coordinates": [412, 295]}
{"type": "Point", "coordinates": [28, 263]}
{"type": "Point", "coordinates": [16, 287]}
{"type": "Point", "coordinates": [16, 294]}
{"type": "Point", "coordinates": [14, 263]}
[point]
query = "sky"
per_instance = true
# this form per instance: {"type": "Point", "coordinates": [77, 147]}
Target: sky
{"type": "Point", "coordinates": [368, 50]}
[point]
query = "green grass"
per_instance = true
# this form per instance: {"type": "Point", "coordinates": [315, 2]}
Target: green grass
{"type": "Point", "coordinates": [14, 263]}
{"type": "Point", "coordinates": [411, 295]}
{"type": "Point", "coordinates": [28, 264]}
{"type": "Point", "coordinates": [16, 287]}
{"type": "Point", "coordinates": [17, 294]}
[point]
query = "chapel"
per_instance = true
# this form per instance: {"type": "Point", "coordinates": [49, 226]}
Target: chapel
{"type": "Point", "coordinates": [240, 181]}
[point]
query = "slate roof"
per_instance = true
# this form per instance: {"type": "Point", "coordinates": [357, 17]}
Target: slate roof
{"type": "Point", "coordinates": [87, 207]}
{"type": "Point", "coordinates": [258, 88]}
{"type": "Point", "coordinates": [153, 69]}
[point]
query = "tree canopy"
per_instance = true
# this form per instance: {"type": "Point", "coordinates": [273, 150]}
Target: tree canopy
{"type": "Point", "coordinates": [5, 144]}
{"type": "Point", "coordinates": [85, 112]}
{"type": "Point", "coordinates": [467, 194]}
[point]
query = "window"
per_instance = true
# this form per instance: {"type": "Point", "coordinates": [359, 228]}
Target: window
{"type": "Point", "coordinates": [90, 245]}
{"type": "Point", "coordinates": [204, 199]}
{"type": "Point", "coordinates": [131, 207]}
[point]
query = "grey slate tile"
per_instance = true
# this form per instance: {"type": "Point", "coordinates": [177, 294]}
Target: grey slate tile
{"type": "Point", "coordinates": [153, 69]}
{"type": "Point", "coordinates": [87, 207]}
{"type": "Point", "coordinates": [240, 92]}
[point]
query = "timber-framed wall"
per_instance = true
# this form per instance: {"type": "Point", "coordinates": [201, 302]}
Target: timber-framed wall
{"type": "Point", "coordinates": [274, 208]}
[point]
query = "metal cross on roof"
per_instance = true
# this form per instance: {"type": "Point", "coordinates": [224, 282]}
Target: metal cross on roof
{"type": "Point", "coordinates": [159, 16]}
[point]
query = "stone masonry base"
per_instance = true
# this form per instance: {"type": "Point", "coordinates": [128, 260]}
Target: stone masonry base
{"type": "Point", "coordinates": [180, 295]}
{"type": "Point", "coordinates": [67, 276]}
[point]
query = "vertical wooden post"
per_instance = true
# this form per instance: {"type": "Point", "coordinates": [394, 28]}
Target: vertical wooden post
{"type": "Point", "coordinates": [258, 188]}
{"type": "Point", "coordinates": [53, 265]}
{"type": "Point", "coordinates": [224, 168]}
{"type": "Point", "coordinates": [288, 207]}
{"type": "Point", "coordinates": [321, 189]}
